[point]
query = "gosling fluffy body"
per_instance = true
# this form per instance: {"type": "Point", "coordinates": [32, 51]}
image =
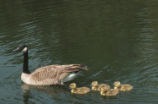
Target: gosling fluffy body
{"type": "Point", "coordinates": [80, 90]}
{"type": "Point", "coordinates": [123, 87]}
{"type": "Point", "coordinates": [110, 92]}
{"type": "Point", "coordinates": [97, 87]}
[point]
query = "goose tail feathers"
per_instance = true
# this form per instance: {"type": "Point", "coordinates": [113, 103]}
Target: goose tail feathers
{"type": "Point", "coordinates": [76, 67]}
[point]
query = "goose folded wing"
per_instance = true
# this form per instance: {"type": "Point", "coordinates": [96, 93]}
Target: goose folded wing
{"type": "Point", "coordinates": [53, 73]}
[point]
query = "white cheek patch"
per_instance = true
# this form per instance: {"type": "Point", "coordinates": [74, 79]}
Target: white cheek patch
{"type": "Point", "coordinates": [24, 50]}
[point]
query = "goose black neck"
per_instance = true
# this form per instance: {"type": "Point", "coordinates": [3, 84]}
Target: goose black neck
{"type": "Point", "coordinates": [25, 65]}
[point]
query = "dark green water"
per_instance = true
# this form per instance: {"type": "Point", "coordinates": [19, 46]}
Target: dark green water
{"type": "Point", "coordinates": [116, 39]}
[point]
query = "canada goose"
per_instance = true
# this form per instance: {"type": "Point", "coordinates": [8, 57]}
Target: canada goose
{"type": "Point", "coordinates": [110, 92]}
{"type": "Point", "coordinates": [123, 87]}
{"type": "Point", "coordinates": [79, 90]}
{"type": "Point", "coordinates": [97, 87]}
{"type": "Point", "coordinates": [48, 75]}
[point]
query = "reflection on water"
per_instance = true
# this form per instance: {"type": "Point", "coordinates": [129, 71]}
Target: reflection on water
{"type": "Point", "coordinates": [53, 91]}
{"type": "Point", "coordinates": [116, 39]}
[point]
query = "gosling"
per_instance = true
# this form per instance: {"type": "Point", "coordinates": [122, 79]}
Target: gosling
{"type": "Point", "coordinates": [123, 87]}
{"type": "Point", "coordinates": [110, 92]}
{"type": "Point", "coordinates": [80, 90]}
{"type": "Point", "coordinates": [97, 87]}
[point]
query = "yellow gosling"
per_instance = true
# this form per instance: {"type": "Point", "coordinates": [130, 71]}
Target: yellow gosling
{"type": "Point", "coordinates": [94, 85]}
{"type": "Point", "coordinates": [97, 87]}
{"type": "Point", "coordinates": [110, 92]}
{"type": "Point", "coordinates": [123, 87]}
{"type": "Point", "coordinates": [103, 92]}
{"type": "Point", "coordinates": [103, 85]}
{"type": "Point", "coordinates": [72, 86]}
{"type": "Point", "coordinates": [80, 90]}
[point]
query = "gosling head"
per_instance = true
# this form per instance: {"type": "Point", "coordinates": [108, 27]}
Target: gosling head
{"type": "Point", "coordinates": [115, 88]}
{"type": "Point", "coordinates": [117, 84]}
{"type": "Point", "coordinates": [94, 83]}
{"type": "Point", "coordinates": [103, 90]}
{"type": "Point", "coordinates": [72, 86]}
{"type": "Point", "coordinates": [21, 48]}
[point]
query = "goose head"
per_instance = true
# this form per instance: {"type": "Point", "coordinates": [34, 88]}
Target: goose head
{"type": "Point", "coordinates": [21, 48]}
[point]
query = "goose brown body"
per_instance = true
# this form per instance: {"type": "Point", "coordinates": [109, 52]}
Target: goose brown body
{"type": "Point", "coordinates": [50, 75]}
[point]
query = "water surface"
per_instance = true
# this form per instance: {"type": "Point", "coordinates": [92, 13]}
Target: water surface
{"type": "Point", "coordinates": [117, 40]}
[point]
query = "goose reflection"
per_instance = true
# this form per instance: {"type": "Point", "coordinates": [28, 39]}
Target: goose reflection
{"type": "Point", "coordinates": [50, 90]}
